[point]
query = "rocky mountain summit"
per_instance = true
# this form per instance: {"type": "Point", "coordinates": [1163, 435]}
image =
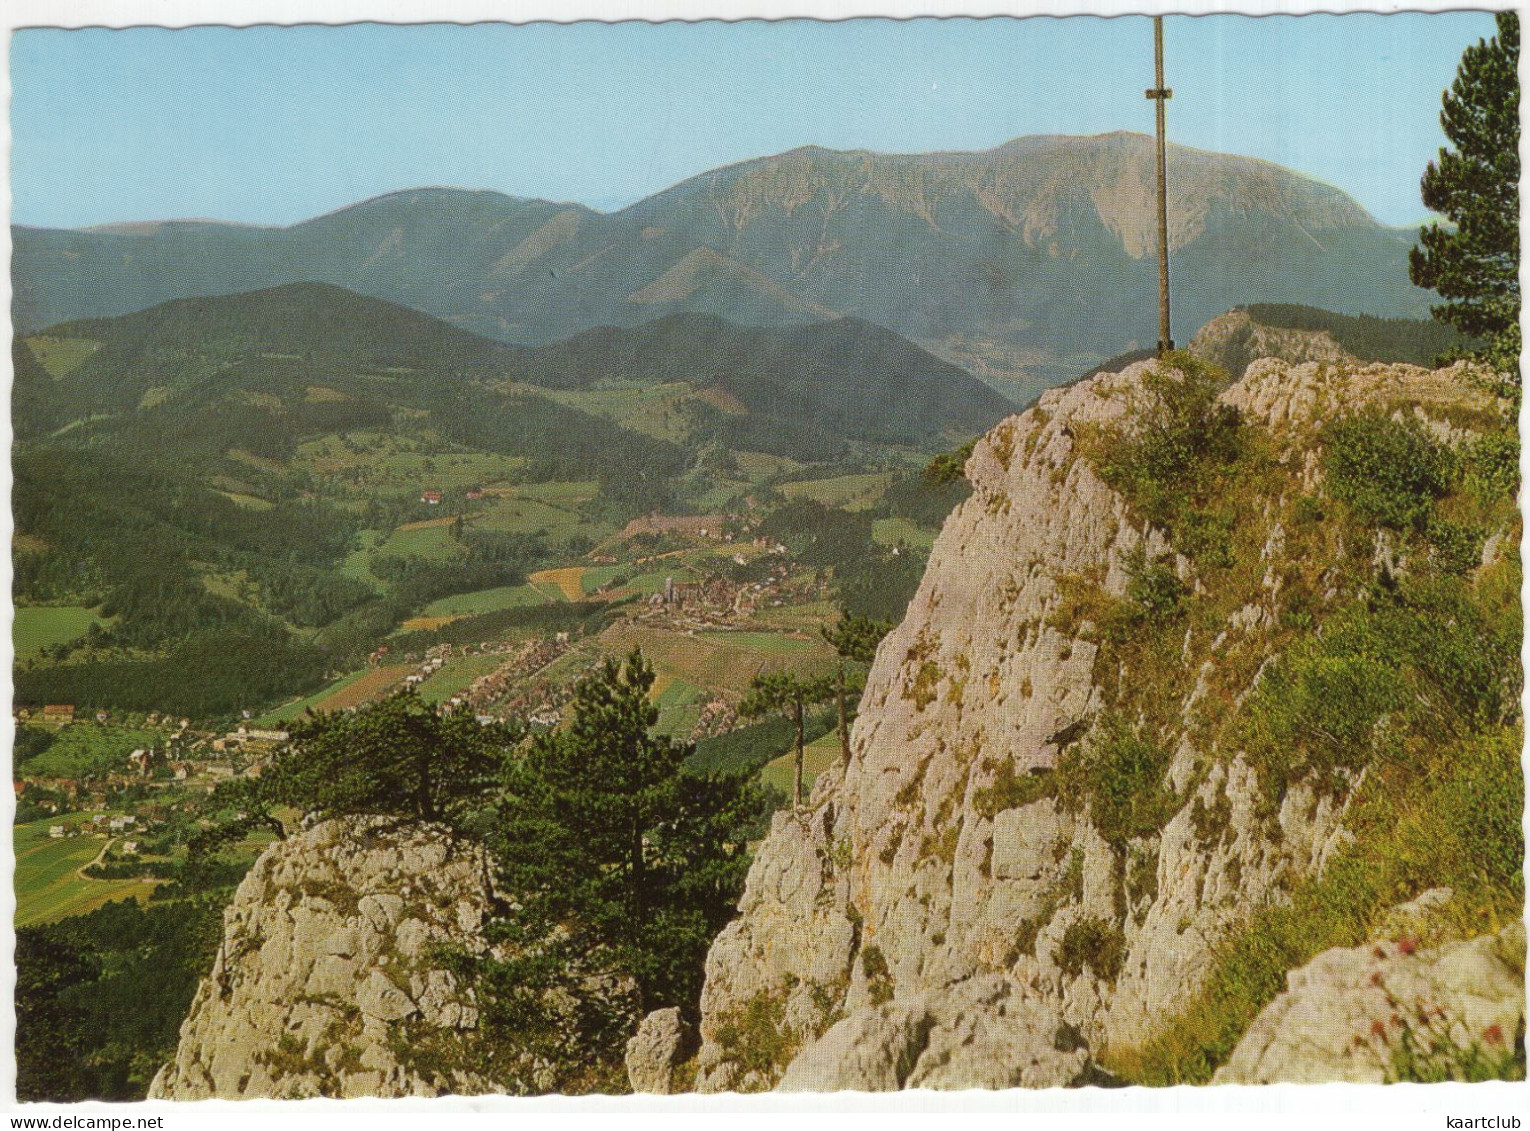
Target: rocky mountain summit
{"type": "Point", "coordinates": [330, 978]}
{"type": "Point", "coordinates": [1193, 665]}
{"type": "Point", "coordinates": [1048, 826]}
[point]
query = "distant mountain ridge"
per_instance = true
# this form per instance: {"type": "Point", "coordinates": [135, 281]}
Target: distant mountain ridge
{"type": "Point", "coordinates": [1028, 262]}
{"type": "Point", "coordinates": [822, 383]}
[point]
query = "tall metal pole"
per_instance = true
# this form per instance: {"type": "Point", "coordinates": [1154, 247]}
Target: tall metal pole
{"type": "Point", "coordinates": [1161, 94]}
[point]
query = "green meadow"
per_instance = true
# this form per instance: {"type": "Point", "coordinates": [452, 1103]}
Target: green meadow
{"type": "Point", "coordinates": [484, 601]}
{"type": "Point", "coordinates": [48, 883]}
{"type": "Point", "coordinates": [39, 628]}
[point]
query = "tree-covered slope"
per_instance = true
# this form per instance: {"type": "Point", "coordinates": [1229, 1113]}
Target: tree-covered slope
{"type": "Point", "coordinates": [846, 377]}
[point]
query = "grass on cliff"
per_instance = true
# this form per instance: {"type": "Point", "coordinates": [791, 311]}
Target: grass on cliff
{"type": "Point", "coordinates": [1406, 682]}
{"type": "Point", "coordinates": [1186, 438]}
{"type": "Point", "coordinates": [1455, 825]}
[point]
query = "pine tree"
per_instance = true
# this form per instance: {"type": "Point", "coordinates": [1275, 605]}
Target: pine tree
{"type": "Point", "coordinates": [855, 639]}
{"type": "Point", "coordinates": [622, 862]}
{"type": "Point", "coordinates": [398, 757]}
{"type": "Point", "coordinates": [790, 694]}
{"type": "Point", "coordinates": [1475, 266]}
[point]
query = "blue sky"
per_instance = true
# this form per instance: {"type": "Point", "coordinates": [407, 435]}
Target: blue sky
{"type": "Point", "coordinates": [273, 125]}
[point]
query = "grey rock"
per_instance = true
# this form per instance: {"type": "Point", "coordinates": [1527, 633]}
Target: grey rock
{"type": "Point", "coordinates": [1024, 840]}
{"type": "Point", "coordinates": [655, 1051]}
{"type": "Point", "coordinates": [926, 863]}
{"type": "Point", "coordinates": [296, 964]}
{"type": "Point", "coordinates": [870, 1051]}
{"type": "Point", "coordinates": [1362, 1014]}
{"type": "Point", "coordinates": [381, 909]}
{"type": "Point", "coordinates": [378, 997]}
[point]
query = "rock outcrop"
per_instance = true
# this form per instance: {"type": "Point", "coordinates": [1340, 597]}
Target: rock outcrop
{"type": "Point", "coordinates": [1234, 340]}
{"type": "Point", "coordinates": [937, 915]}
{"type": "Point", "coordinates": [1388, 1011]}
{"type": "Point", "coordinates": [656, 1051]}
{"type": "Point", "coordinates": [330, 978]}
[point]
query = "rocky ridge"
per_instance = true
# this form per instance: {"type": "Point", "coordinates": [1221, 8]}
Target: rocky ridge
{"type": "Point", "coordinates": [1234, 340]}
{"type": "Point", "coordinates": [937, 916]}
{"type": "Point", "coordinates": [329, 980]}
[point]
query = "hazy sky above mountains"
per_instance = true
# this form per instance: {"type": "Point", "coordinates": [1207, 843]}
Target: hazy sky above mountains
{"type": "Point", "coordinates": [274, 125]}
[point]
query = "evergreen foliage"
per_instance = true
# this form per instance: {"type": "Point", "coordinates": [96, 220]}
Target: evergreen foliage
{"type": "Point", "coordinates": [624, 866]}
{"type": "Point", "coordinates": [949, 467]}
{"type": "Point", "coordinates": [399, 757]}
{"type": "Point", "coordinates": [749, 748]}
{"type": "Point", "coordinates": [100, 997]}
{"type": "Point", "coordinates": [1415, 341]}
{"type": "Point", "coordinates": [926, 499]}
{"type": "Point", "coordinates": [790, 694]}
{"type": "Point", "coordinates": [1387, 472]}
{"type": "Point", "coordinates": [1474, 265]}
{"type": "Point", "coordinates": [855, 639]}
{"type": "Point", "coordinates": [879, 586]}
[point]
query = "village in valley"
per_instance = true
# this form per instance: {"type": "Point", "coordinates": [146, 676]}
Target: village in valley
{"type": "Point", "coordinates": [109, 799]}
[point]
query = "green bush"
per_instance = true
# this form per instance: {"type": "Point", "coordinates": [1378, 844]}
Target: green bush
{"type": "Point", "coordinates": [1317, 709]}
{"type": "Point", "coordinates": [1490, 465]}
{"type": "Point", "coordinates": [1011, 790]}
{"type": "Point", "coordinates": [1093, 943]}
{"type": "Point", "coordinates": [949, 467]}
{"type": "Point", "coordinates": [1185, 434]}
{"type": "Point", "coordinates": [1118, 775]}
{"type": "Point", "coordinates": [1206, 536]}
{"type": "Point", "coordinates": [1457, 547]}
{"type": "Point", "coordinates": [1154, 588]}
{"type": "Point", "coordinates": [1388, 472]}
{"type": "Point", "coordinates": [879, 981]}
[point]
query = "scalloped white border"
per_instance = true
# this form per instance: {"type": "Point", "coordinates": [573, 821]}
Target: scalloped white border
{"type": "Point", "coordinates": [1172, 1109]}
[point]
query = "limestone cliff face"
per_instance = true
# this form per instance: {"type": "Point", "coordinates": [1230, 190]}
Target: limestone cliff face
{"type": "Point", "coordinates": [908, 927]}
{"type": "Point", "coordinates": [1233, 340]}
{"type": "Point", "coordinates": [329, 978]}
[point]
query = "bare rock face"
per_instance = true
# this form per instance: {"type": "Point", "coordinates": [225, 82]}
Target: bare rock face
{"type": "Point", "coordinates": [1234, 339]}
{"type": "Point", "coordinates": [983, 1033]}
{"type": "Point", "coordinates": [1387, 1011]}
{"type": "Point", "coordinates": [936, 916]}
{"type": "Point", "coordinates": [655, 1052]}
{"type": "Point", "coordinates": [328, 981]}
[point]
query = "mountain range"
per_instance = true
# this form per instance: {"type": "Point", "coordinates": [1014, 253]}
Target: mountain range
{"type": "Point", "coordinates": [1025, 264]}
{"type": "Point", "coordinates": [768, 388]}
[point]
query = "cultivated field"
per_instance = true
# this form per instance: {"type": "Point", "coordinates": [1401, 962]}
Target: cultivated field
{"type": "Point", "coordinates": [352, 692]}
{"type": "Point", "coordinates": [87, 748]}
{"type": "Point", "coordinates": [484, 601]}
{"type": "Point", "coordinates": [455, 675]}
{"type": "Point", "coordinates": [851, 492]}
{"type": "Point", "coordinates": [817, 757]}
{"type": "Point", "coordinates": [566, 580]}
{"type": "Point", "coordinates": [724, 660]}
{"type": "Point", "coordinates": [39, 628]}
{"type": "Point", "coordinates": [48, 883]}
